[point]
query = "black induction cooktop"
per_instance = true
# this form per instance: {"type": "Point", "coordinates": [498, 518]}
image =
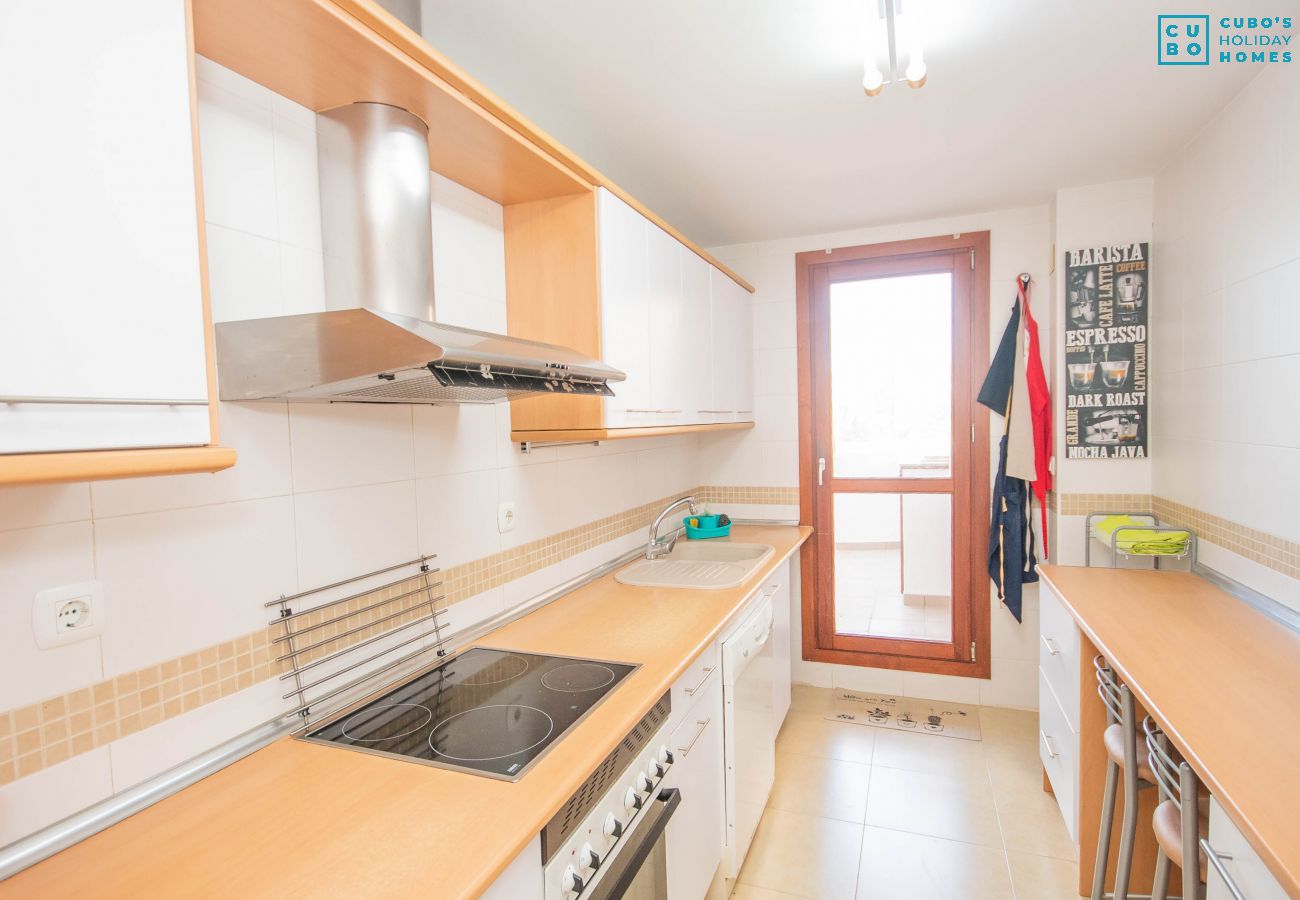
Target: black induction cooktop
{"type": "Point", "coordinates": [490, 712]}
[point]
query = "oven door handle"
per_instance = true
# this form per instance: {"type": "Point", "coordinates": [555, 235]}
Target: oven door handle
{"type": "Point", "coordinates": [626, 863]}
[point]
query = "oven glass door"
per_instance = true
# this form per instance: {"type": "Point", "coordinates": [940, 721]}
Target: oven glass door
{"type": "Point", "coordinates": [639, 871]}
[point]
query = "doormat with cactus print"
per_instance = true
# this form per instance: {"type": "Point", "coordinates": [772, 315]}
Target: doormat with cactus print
{"type": "Point", "coordinates": [906, 714]}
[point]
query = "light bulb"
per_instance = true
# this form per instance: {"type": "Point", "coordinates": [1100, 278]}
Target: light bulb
{"type": "Point", "coordinates": [915, 74]}
{"type": "Point", "coordinates": [873, 82]}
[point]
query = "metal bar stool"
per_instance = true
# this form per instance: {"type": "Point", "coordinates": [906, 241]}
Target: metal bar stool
{"type": "Point", "coordinates": [1121, 742]}
{"type": "Point", "coordinates": [1178, 825]}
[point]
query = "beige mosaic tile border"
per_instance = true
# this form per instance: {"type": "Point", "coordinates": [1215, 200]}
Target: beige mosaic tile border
{"type": "Point", "coordinates": [1082, 504]}
{"type": "Point", "coordinates": [46, 733]}
{"type": "Point", "coordinates": [1268, 550]}
{"type": "Point", "coordinates": [757, 496]}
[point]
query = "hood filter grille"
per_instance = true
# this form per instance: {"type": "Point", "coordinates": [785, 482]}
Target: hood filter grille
{"type": "Point", "coordinates": [456, 384]}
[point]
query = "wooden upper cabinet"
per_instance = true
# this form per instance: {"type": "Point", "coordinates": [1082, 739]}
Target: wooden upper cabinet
{"type": "Point", "coordinates": [675, 325]}
{"type": "Point", "coordinates": [105, 356]}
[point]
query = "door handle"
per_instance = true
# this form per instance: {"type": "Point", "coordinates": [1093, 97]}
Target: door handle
{"type": "Point", "coordinates": [703, 723]}
{"type": "Point", "coordinates": [708, 670]}
{"type": "Point", "coordinates": [821, 471]}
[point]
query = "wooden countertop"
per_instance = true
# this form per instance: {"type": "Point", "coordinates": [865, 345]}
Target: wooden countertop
{"type": "Point", "coordinates": [297, 819]}
{"type": "Point", "coordinates": [1222, 680]}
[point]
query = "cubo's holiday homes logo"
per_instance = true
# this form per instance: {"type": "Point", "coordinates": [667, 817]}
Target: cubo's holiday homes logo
{"type": "Point", "coordinates": [1186, 40]}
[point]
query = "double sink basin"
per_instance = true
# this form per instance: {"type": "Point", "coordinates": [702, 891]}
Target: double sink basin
{"type": "Point", "coordinates": [698, 565]}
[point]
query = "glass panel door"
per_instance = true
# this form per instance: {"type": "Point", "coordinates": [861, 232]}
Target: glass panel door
{"type": "Point", "coordinates": [892, 413]}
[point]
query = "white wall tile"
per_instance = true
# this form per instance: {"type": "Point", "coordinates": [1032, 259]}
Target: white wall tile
{"type": "Point", "coordinates": [338, 445]}
{"type": "Point", "coordinates": [43, 504]}
{"type": "Point", "coordinates": [950, 688]}
{"type": "Point", "coordinates": [244, 276]}
{"type": "Point", "coordinates": [452, 439]}
{"type": "Point", "coordinates": [297, 188]}
{"type": "Point", "coordinates": [302, 280]}
{"type": "Point", "coordinates": [1014, 684]}
{"type": "Point", "coordinates": [535, 492]}
{"type": "Point", "coordinates": [45, 797]}
{"type": "Point", "coordinates": [185, 579]}
{"type": "Point", "coordinates": [458, 516]}
{"type": "Point", "coordinates": [861, 678]}
{"type": "Point", "coordinates": [147, 753]}
{"type": "Point", "coordinates": [259, 434]}
{"type": "Point", "coordinates": [238, 155]}
{"type": "Point", "coordinates": [343, 533]}
{"type": "Point", "coordinates": [32, 560]}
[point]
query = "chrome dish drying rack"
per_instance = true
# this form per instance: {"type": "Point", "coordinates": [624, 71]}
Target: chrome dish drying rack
{"type": "Point", "coordinates": [322, 642]}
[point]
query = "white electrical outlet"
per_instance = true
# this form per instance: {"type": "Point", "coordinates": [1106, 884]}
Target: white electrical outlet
{"type": "Point", "coordinates": [68, 614]}
{"type": "Point", "coordinates": [506, 517]}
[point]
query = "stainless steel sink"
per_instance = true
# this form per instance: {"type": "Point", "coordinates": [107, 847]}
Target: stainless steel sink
{"type": "Point", "coordinates": [698, 565]}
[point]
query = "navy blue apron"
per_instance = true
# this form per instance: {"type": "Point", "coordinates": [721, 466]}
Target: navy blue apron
{"type": "Point", "coordinates": [1011, 536]}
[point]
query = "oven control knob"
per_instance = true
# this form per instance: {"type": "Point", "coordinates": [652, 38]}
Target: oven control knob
{"type": "Point", "coordinates": [643, 784]}
{"type": "Point", "coordinates": [572, 882]}
{"type": "Point", "coordinates": [632, 800]}
{"type": "Point", "coordinates": [664, 756]}
{"type": "Point", "coordinates": [654, 770]}
{"type": "Point", "coordinates": [588, 858]}
{"type": "Point", "coordinates": [613, 828]}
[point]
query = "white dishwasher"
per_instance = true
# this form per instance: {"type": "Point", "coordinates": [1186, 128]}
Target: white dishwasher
{"type": "Point", "coordinates": [748, 674]}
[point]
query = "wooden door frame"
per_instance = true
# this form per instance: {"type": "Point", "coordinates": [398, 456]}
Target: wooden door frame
{"type": "Point", "coordinates": [806, 264]}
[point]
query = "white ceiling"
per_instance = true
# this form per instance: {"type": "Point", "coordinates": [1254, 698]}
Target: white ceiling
{"type": "Point", "coordinates": [741, 120]}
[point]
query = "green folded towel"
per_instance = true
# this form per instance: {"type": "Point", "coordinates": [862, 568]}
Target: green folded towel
{"type": "Point", "coordinates": [1141, 541]}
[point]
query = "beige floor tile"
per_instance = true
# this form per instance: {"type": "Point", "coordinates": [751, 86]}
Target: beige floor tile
{"type": "Point", "coordinates": [1031, 820]}
{"type": "Point", "coordinates": [749, 892]}
{"type": "Point", "coordinates": [806, 698]}
{"type": "Point", "coordinates": [811, 734]}
{"type": "Point", "coordinates": [1042, 877]}
{"type": "Point", "coordinates": [1009, 726]}
{"type": "Point", "coordinates": [900, 866]}
{"type": "Point", "coordinates": [929, 753]}
{"type": "Point", "coordinates": [959, 808]}
{"type": "Point", "coordinates": [820, 787]}
{"type": "Point", "coordinates": [808, 856]}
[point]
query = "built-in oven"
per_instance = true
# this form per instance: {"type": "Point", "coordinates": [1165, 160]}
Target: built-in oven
{"type": "Point", "coordinates": [609, 840]}
{"type": "Point", "coordinates": [639, 871]}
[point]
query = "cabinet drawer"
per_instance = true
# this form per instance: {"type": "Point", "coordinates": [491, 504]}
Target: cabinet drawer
{"type": "Point", "coordinates": [1058, 748]}
{"type": "Point", "coordinates": [694, 683]}
{"type": "Point", "coordinates": [696, 833]}
{"type": "Point", "coordinates": [1058, 652]}
{"type": "Point", "coordinates": [1247, 871]}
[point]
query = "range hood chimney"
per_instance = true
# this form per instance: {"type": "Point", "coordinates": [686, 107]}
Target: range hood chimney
{"type": "Point", "coordinates": [377, 341]}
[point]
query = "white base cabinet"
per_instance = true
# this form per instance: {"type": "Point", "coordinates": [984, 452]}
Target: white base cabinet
{"type": "Point", "coordinates": [695, 834]}
{"type": "Point", "coordinates": [1240, 862]}
{"type": "Point", "coordinates": [1058, 704]}
{"type": "Point", "coordinates": [778, 586]}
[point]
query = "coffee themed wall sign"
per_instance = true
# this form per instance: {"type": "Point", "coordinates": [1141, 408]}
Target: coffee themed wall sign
{"type": "Point", "coordinates": [1107, 290]}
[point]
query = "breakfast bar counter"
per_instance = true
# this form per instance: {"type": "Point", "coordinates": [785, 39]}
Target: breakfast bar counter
{"type": "Point", "coordinates": [1220, 677]}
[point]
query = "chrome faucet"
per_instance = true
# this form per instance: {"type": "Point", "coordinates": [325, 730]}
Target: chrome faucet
{"type": "Point", "coordinates": [658, 547]}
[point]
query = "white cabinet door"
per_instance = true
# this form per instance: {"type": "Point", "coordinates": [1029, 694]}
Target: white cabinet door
{"type": "Point", "coordinates": [744, 354]}
{"type": "Point", "coordinates": [697, 351]}
{"type": "Point", "coordinates": [779, 587]}
{"type": "Point", "coordinates": [723, 316]}
{"type": "Point", "coordinates": [669, 328]}
{"type": "Point", "coordinates": [100, 291]}
{"type": "Point", "coordinates": [1239, 860]}
{"type": "Point", "coordinates": [624, 310]}
{"type": "Point", "coordinates": [696, 832]}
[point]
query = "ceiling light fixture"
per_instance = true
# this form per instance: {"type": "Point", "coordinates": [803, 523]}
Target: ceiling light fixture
{"type": "Point", "coordinates": [894, 50]}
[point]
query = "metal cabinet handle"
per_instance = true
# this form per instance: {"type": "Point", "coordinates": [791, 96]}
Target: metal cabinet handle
{"type": "Point", "coordinates": [1047, 742]}
{"type": "Point", "coordinates": [699, 732]}
{"type": "Point", "coordinates": [654, 410]}
{"type": "Point", "coordinates": [1216, 859]}
{"type": "Point", "coordinates": [713, 410]}
{"type": "Point", "coordinates": [1050, 645]}
{"type": "Point", "coordinates": [708, 670]}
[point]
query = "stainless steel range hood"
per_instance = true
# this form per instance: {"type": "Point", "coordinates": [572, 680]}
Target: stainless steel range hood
{"type": "Point", "coordinates": [377, 341]}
